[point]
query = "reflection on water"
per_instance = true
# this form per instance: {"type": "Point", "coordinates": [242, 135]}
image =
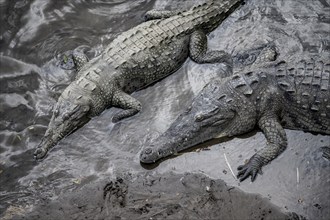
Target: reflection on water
{"type": "Point", "coordinates": [34, 33]}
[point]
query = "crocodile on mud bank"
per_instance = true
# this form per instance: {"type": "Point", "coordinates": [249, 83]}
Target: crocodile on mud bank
{"type": "Point", "coordinates": [293, 95]}
{"type": "Point", "coordinates": [134, 60]}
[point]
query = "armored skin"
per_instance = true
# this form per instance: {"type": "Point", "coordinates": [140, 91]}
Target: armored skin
{"type": "Point", "coordinates": [283, 95]}
{"type": "Point", "coordinates": [134, 60]}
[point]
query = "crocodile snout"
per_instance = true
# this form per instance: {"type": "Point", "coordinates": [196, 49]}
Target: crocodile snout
{"type": "Point", "coordinates": [147, 156]}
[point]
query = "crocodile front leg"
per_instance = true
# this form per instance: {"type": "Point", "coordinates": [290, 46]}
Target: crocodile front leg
{"type": "Point", "coordinates": [159, 14]}
{"type": "Point", "coordinates": [276, 144]}
{"type": "Point", "coordinates": [198, 51]}
{"type": "Point", "coordinates": [122, 100]}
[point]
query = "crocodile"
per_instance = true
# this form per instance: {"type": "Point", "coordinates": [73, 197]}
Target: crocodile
{"type": "Point", "coordinates": [293, 95]}
{"type": "Point", "coordinates": [133, 60]}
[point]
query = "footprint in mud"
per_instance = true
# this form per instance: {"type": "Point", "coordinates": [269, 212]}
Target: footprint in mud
{"type": "Point", "coordinates": [326, 152]}
{"type": "Point", "coordinates": [115, 193]}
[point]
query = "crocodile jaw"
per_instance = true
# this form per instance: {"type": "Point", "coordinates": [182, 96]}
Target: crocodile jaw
{"type": "Point", "coordinates": [67, 117]}
{"type": "Point", "coordinates": [184, 133]}
{"type": "Point", "coordinates": [179, 138]}
{"type": "Point", "coordinates": [214, 113]}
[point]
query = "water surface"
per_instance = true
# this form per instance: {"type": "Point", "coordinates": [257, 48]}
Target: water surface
{"type": "Point", "coordinates": [34, 33]}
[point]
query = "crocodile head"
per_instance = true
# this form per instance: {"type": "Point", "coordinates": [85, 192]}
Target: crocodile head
{"type": "Point", "coordinates": [211, 115]}
{"type": "Point", "coordinates": [71, 60]}
{"type": "Point", "coordinates": [68, 115]}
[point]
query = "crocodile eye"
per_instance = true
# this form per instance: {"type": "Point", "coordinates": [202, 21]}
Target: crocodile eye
{"type": "Point", "coordinates": [199, 117]}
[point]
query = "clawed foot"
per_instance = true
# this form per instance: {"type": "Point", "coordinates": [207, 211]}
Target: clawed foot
{"type": "Point", "coordinates": [40, 153]}
{"type": "Point", "coordinates": [252, 168]}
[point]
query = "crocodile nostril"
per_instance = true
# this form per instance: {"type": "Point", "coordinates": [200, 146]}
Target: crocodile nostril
{"type": "Point", "coordinates": [148, 151]}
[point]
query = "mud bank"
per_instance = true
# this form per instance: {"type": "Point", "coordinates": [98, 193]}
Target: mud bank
{"type": "Point", "coordinates": [171, 196]}
{"type": "Point", "coordinates": [69, 183]}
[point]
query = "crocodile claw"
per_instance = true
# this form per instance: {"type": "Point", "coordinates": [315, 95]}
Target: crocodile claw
{"type": "Point", "coordinates": [252, 168]}
{"type": "Point", "coordinates": [40, 153]}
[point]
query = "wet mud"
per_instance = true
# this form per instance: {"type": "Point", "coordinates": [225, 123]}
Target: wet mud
{"type": "Point", "coordinates": [95, 172]}
{"type": "Point", "coordinates": [171, 196]}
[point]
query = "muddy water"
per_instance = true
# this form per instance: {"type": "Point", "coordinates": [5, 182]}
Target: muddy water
{"type": "Point", "coordinates": [34, 33]}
